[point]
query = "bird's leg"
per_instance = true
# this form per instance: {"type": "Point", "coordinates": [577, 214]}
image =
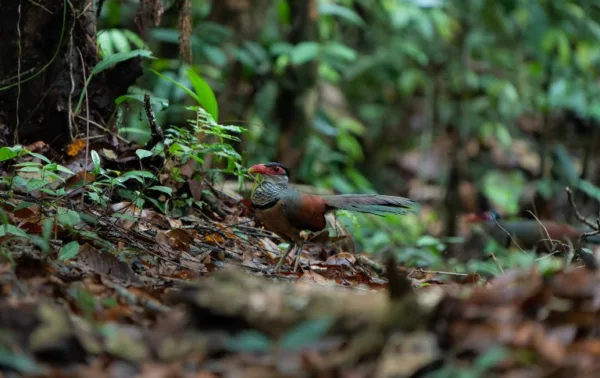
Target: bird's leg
{"type": "Point", "coordinates": [283, 257]}
{"type": "Point", "coordinates": [297, 260]}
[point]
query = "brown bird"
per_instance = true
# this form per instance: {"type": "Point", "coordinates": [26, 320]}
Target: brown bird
{"type": "Point", "coordinates": [287, 212]}
{"type": "Point", "coordinates": [528, 233]}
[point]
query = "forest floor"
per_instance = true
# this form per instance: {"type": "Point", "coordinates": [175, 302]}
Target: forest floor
{"type": "Point", "coordinates": [136, 293]}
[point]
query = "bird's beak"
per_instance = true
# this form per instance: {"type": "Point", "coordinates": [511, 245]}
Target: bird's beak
{"type": "Point", "coordinates": [258, 168]}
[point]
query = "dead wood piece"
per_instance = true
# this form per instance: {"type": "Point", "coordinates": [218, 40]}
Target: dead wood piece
{"type": "Point", "coordinates": [249, 301]}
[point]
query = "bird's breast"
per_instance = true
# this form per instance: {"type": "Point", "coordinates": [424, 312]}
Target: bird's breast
{"type": "Point", "coordinates": [275, 220]}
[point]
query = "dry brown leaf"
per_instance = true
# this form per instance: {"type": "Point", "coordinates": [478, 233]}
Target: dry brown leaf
{"type": "Point", "coordinates": [178, 238]}
{"type": "Point", "coordinates": [214, 239]}
{"type": "Point", "coordinates": [104, 263]}
{"type": "Point", "coordinates": [76, 147]}
{"type": "Point", "coordinates": [311, 277]}
{"type": "Point", "coordinates": [342, 258]}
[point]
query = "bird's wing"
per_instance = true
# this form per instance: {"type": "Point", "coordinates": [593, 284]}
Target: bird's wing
{"type": "Point", "coordinates": [304, 211]}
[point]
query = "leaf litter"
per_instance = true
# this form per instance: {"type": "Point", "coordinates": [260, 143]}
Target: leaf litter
{"type": "Point", "coordinates": [124, 290]}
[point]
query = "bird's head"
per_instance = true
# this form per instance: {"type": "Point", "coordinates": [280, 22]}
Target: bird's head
{"type": "Point", "coordinates": [481, 217]}
{"type": "Point", "coordinates": [271, 171]}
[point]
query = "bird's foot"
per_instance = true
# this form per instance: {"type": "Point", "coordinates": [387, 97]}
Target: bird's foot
{"type": "Point", "coordinates": [282, 259]}
{"type": "Point", "coordinates": [297, 260]}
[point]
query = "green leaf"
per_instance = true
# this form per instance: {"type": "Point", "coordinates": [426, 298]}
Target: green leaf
{"type": "Point", "coordinates": [114, 59]}
{"type": "Point", "coordinates": [64, 169]}
{"type": "Point", "coordinates": [164, 189]}
{"type": "Point", "coordinates": [490, 358]}
{"type": "Point", "coordinates": [96, 160]}
{"type": "Point", "coordinates": [19, 181]}
{"type": "Point", "coordinates": [304, 52]}
{"type": "Point", "coordinates": [340, 51]}
{"type": "Point", "coordinates": [504, 189]}
{"type": "Point", "coordinates": [23, 205]}
{"type": "Point", "coordinates": [29, 169]}
{"type": "Point", "coordinates": [40, 156]}
{"type": "Point", "coordinates": [589, 188]}
{"type": "Point", "coordinates": [67, 217]}
{"type": "Point", "coordinates": [20, 362]}
{"type": "Point", "coordinates": [206, 97]}
{"type": "Point", "coordinates": [13, 230]}
{"type": "Point", "coordinates": [7, 153]}
{"type": "Point", "coordinates": [68, 251]}
{"type": "Point", "coordinates": [29, 164]}
{"type": "Point", "coordinates": [180, 86]}
{"type": "Point", "coordinates": [144, 174]}
{"type": "Point", "coordinates": [95, 197]}
{"type": "Point", "coordinates": [428, 241]}
{"type": "Point", "coordinates": [249, 342]}
{"type": "Point", "coordinates": [306, 333]}
{"type": "Point", "coordinates": [344, 13]}
{"type": "Point", "coordinates": [143, 153]}
{"type": "Point", "coordinates": [35, 184]}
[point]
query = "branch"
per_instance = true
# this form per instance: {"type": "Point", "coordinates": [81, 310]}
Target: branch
{"type": "Point", "coordinates": [588, 259]}
{"type": "Point", "coordinates": [580, 217]}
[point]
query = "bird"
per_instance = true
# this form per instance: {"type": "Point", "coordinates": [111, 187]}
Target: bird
{"type": "Point", "coordinates": [528, 233]}
{"type": "Point", "coordinates": [288, 212]}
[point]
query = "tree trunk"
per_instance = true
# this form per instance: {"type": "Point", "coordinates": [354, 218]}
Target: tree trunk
{"type": "Point", "coordinates": [48, 49]}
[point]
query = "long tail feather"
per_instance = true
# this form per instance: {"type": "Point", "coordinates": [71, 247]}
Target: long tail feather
{"type": "Point", "coordinates": [372, 203]}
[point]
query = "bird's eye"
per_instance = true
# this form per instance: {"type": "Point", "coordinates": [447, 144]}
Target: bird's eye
{"type": "Point", "coordinates": [276, 169]}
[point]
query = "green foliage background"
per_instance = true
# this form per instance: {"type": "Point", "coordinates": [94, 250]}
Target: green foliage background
{"type": "Point", "coordinates": [392, 76]}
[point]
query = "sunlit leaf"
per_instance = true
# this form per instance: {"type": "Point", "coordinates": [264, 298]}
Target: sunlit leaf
{"type": "Point", "coordinates": [204, 93]}
{"type": "Point", "coordinates": [114, 59]}
{"type": "Point", "coordinates": [96, 160]}
{"type": "Point", "coordinates": [36, 184]}
{"type": "Point", "coordinates": [143, 153]}
{"type": "Point", "coordinates": [180, 86]}
{"type": "Point", "coordinates": [304, 52]}
{"type": "Point", "coordinates": [163, 189]}
{"type": "Point", "coordinates": [67, 217]}
{"type": "Point", "coordinates": [40, 156]}
{"type": "Point", "coordinates": [344, 13]}
{"type": "Point", "coordinates": [7, 153]}
{"type": "Point", "coordinates": [10, 229]}
{"type": "Point", "coordinates": [68, 251]}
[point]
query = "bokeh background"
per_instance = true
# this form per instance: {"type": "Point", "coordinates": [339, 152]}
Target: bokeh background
{"type": "Point", "coordinates": [459, 104]}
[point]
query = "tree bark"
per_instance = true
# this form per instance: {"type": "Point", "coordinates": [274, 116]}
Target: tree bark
{"type": "Point", "coordinates": [48, 49]}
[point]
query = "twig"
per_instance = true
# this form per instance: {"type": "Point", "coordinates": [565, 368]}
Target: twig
{"type": "Point", "coordinates": [580, 217]}
{"type": "Point", "coordinates": [497, 262]}
{"type": "Point", "coordinates": [438, 272]}
{"type": "Point", "coordinates": [105, 129]}
{"type": "Point", "coordinates": [87, 124]}
{"type": "Point", "coordinates": [545, 230]}
{"type": "Point", "coordinates": [588, 259]}
{"type": "Point", "coordinates": [364, 260]}
{"type": "Point", "coordinates": [509, 235]}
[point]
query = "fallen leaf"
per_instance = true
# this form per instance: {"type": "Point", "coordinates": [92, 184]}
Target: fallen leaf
{"type": "Point", "coordinates": [76, 147]}
{"type": "Point", "coordinates": [342, 258]}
